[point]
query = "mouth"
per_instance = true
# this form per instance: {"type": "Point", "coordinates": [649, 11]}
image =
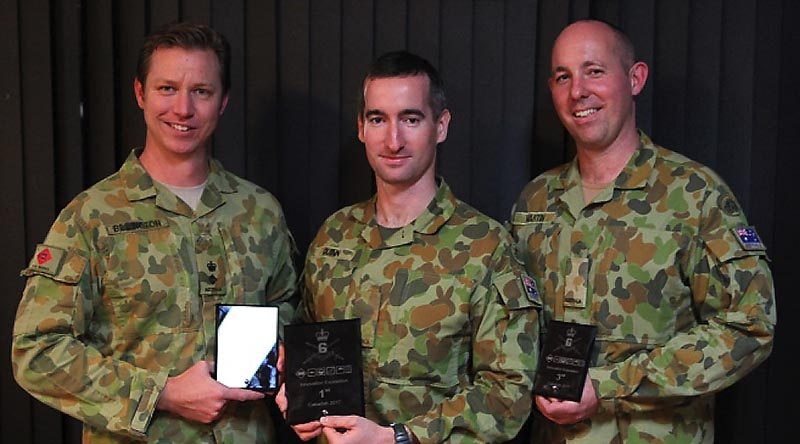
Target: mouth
{"type": "Point", "coordinates": [393, 160]}
{"type": "Point", "coordinates": [585, 112]}
{"type": "Point", "coordinates": [179, 127]}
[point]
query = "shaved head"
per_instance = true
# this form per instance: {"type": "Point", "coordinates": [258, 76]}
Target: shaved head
{"type": "Point", "coordinates": [621, 44]}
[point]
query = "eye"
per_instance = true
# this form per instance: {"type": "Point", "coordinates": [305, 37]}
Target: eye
{"type": "Point", "coordinates": [202, 92]}
{"type": "Point", "coordinates": [165, 88]}
{"type": "Point", "coordinates": [375, 120]}
{"type": "Point", "coordinates": [412, 120]}
{"type": "Point", "coordinates": [561, 78]}
{"type": "Point", "coordinates": [595, 72]}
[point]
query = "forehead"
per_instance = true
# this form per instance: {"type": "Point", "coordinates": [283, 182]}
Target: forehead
{"type": "Point", "coordinates": [201, 64]}
{"type": "Point", "coordinates": [583, 42]}
{"type": "Point", "coordinates": [403, 92]}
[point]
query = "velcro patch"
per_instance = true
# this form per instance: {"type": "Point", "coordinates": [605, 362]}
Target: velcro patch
{"type": "Point", "coordinates": [533, 217]}
{"type": "Point", "coordinates": [748, 238]}
{"type": "Point", "coordinates": [136, 225]}
{"type": "Point", "coordinates": [728, 204]}
{"type": "Point", "coordinates": [47, 259]}
{"type": "Point", "coordinates": [337, 253]}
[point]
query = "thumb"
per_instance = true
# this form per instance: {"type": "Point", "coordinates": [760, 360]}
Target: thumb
{"type": "Point", "coordinates": [345, 422]}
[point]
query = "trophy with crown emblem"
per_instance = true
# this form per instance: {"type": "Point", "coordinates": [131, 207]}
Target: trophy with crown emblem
{"type": "Point", "coordinates": [323, 370]}
{"type": "Point", "coordinates": [564, 360]}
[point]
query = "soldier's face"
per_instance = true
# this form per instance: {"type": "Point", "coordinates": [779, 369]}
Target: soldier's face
{"type": "Point", "coordinates": [182, 99]}
{"type": "Point", "coordinates": [399, 130]}
{"type": "Point", "coordinates": [591, 88]}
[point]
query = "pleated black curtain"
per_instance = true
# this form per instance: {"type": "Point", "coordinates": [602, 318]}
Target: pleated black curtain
{"type": "Point", "coordinates": [723, 90]}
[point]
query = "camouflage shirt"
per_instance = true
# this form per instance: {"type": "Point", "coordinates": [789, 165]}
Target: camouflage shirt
{"type": "Point", "coordinates": [122, 294]}
{"type": "Point", "coordinates": [449, 334]}
{"type": "Point", "coordinates": [679, 289]}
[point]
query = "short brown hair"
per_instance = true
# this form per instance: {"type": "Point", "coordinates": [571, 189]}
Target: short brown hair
{"type": "Point", "coordinates": [187, 36]}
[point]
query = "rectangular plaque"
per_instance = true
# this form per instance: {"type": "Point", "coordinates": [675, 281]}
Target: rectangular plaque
{"type": "Point", "coordinates": [564, 360]}
{"type": "Point", "coordinates": [323, 370]}
{"type": "Point", "coordinates": [247, 347]}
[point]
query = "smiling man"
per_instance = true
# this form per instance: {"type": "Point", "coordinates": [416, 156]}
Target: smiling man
{"type": "Point", "coordinates": [116, 326]}
{"type": "Point", "coordinates": [449, 332]}
{"type": "Point", "coordinates": [648, 246]}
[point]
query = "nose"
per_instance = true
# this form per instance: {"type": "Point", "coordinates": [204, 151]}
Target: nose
{"type": "Point", "coordinates": [394, 139]}
{"type": "Point", "coordinates": [577, 90]}
{"type": "Point", "coordinates": [183, 105]}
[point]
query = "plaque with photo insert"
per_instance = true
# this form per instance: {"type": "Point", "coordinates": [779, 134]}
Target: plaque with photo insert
{"type": "Point", "coordinates": [247, 347]}
{"type": "Point", "coordinates": [564, 360]}
{"type": "Point", "coordinates": [323, 370]}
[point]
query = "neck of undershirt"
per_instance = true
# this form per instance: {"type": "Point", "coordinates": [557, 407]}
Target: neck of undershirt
{"type": "Point", "coordinates": [190, 195]}
{"type": "Point", "coordinates": [591, 190]}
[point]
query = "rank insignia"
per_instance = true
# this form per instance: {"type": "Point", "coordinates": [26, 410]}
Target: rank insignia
{"type": "Point", "coordinates": [748, 238]}
{"type": "Point", "coordinates": [530, 289]}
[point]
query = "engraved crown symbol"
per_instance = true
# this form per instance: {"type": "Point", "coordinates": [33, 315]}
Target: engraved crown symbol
{"type": "Point", "coordinates": [322, 335]}
{"type": "Point", "coordinates": [571, 332]}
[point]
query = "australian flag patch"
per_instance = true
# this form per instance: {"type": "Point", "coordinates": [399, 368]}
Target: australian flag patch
{"type": "Point", "coordinates": [530, 289]}
{"type": "Point", "coordinates": [748, 238]}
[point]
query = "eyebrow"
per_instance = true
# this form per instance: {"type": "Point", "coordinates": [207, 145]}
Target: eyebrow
{"type": "Point", "coordinates": [583, 65]}
{"type": "Point", "coordinates": [405, 112]}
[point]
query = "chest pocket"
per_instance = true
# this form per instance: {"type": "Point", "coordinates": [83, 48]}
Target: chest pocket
{"type": "Point", "coordinates": [537, 244]}
{"type": "Point", "coordinates": [329, 279]}
{"type": "Point", "coordinates": [424, 329]}
{"type": "Point", "coordinates": [638, 292]}
{"type": "Point", "coordinates": [537, 247]}
{"type": "Point", "coordinates": [147, 285]}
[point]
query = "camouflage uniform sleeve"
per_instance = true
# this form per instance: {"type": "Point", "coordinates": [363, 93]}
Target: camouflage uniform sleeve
{"type": "Point", "coordinates": [50, 355]}
{"type": "Point", "coordinates": [282, 288]}
{"type": "Point", "coordinates": [504, 356]}
{"type": "Point", "coordinates": [733, 297]}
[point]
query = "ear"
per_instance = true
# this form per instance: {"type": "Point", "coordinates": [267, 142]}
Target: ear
{"type": "Point", "coordinates": [361, 128]}
{"type": "Point", "coordinates": [638, 77]}
{"type": "Point", "coordinates": [138, 91]}
{"type": "Point", "coordinates": [442, 126]}
{"type": "Point", "coordinates": [224, 104]}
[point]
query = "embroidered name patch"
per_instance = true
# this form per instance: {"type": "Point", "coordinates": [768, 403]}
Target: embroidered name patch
{"type": "Point", "coordinates": [338, 253]}
{"type": "Point", "coordinates": [533, 217]}
{"type": "Point", "coordinates": [136, 225]}
{"type": "Point", "coordinates": [748, 238]}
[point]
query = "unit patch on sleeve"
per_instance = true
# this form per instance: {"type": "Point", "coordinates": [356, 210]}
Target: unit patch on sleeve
{"type": "Point", "coordinates": [728, 204]}
{"type": "Point", "coordinates": [47, 259]}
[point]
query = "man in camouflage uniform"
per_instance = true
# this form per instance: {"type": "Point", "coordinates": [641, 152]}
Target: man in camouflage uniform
{"type": "Point", "coordinates": [650, 247]}
{"type": "Point", "coordinates": [116, 326]}
{"type": "Point", "coordinates": [449, 333]}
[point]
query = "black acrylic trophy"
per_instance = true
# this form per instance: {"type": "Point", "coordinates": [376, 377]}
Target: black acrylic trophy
{"type": "Point", "coordinates": [247, 347]}
{"type": "Point", "coordinates": [323, 370]}
{"type": "Point", "coordinates": [564, 360]}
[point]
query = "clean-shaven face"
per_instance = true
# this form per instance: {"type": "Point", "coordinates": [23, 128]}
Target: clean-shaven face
{"type": "Point", "coordinates": [182, 99]}
{"type": "Point", "coordinates": [591, 88]}
{"type": "Point", "coordinates": [399, 130]}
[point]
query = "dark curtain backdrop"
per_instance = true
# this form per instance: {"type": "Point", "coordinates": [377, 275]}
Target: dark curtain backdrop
{"type": "Point", "coordinates": [723, 90]}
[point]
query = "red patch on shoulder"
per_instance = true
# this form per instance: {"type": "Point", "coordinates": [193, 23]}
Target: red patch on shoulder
{"type": "Point", "coordinates": [44, 256]}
